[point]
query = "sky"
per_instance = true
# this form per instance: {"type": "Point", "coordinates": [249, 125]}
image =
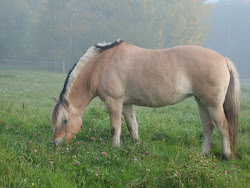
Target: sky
{"type": "Point", "coordinates": [212, 1]}
{"type": "Point", "coordinates": [215, 1]}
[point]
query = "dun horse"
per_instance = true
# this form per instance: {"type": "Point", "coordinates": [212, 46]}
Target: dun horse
{"type": "Point", "coordinates": [123, 75]}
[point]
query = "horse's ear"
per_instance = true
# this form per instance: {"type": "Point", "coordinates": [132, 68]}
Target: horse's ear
{"type": "Point", "coordinates": [55, 99]}
{"type": "Point", "coordinates": [66, 102]}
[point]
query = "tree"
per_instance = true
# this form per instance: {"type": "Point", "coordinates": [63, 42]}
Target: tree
{"type": "Point", "coordinates": [177, 22]}
{"type": "Point", "coordinates": [62, 30]}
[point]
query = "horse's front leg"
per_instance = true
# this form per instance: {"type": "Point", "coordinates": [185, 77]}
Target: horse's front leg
{"type": "Point", "coordinates": [114, 107]}
{"type": "Point", "coordinates": [130, 118]}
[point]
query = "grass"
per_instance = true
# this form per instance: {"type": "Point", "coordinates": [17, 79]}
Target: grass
{"type": "Point", "coordinates": [167, 154]}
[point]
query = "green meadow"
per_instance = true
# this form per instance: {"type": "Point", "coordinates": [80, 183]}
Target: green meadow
{"type": "Point", "coordinates": [167, 154]}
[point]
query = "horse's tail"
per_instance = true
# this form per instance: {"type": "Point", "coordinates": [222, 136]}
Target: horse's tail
{"type": "Point", "coordinates": [232, 104]}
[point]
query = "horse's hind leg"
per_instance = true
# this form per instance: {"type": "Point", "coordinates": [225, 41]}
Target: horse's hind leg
{"type": "Point", "coordinates": [218, 116]}
{"type": "Point", "coordinates": [207, 127]}
{"type": "Point", "coordinates": [130, 118]}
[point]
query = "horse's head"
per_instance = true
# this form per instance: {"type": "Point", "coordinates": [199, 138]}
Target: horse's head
{"type": "Point", "coordinates": [65, 121]}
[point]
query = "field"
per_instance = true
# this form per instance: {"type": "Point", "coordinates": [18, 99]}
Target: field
{"type": "Point", "coordinates": [167, 154]}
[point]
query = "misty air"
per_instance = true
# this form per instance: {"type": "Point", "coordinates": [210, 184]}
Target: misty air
{"type": "Point", "coordinates": [115, 93]}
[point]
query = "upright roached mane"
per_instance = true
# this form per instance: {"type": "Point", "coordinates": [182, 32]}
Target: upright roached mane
{"type": "Point", "coordinates": [123, 75]}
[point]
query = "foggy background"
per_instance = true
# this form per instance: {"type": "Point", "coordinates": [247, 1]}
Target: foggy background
{"type": "Point", "coordinates": [53, 35]}
{"type": "Point", "coordinates": [229, 32]}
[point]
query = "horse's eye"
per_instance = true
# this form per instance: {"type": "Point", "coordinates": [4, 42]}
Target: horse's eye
{"type": "Point", "coordinates": [65, 121]}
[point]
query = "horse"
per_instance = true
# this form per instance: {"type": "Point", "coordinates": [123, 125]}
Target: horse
{"type": "Point", "coordinates": [123, 75]}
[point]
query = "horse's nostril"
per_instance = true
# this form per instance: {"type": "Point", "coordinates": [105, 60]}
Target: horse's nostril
{"type": "Point", "coordinates": [54, 143]}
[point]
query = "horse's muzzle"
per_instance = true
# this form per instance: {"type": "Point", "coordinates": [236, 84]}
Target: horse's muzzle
{"type": "Point", "coordinates": [54, 143]}
{"type": "Point", "coordinates": [57, 141]}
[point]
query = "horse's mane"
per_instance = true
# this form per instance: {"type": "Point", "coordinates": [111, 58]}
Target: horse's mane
{"type": "Point", "coordinates": [91, 52]}
{"type": "Point", "coordinates": [105, 46]}
{"type": "Point", "coordinates": [54, 114]}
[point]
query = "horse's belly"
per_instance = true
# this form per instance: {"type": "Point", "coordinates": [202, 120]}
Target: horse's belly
{"type": "Point", "coordinates": [158, 90]}
{"type": "Point", "coordinates": [154, 99]}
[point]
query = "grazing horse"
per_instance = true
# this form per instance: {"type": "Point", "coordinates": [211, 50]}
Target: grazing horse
{"type": "Point", "coordinates": [123, 75]}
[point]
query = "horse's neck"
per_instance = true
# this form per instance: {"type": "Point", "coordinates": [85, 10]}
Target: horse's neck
{"type": "Point", "coordinates": [80, 94]}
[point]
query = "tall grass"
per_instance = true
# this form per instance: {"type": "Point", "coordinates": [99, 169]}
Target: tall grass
{"type": "Point", "coordinates": [167, 154]}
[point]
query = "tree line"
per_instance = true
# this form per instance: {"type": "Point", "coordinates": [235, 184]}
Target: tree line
{"type": "Point", "coordinates": [62, 30]}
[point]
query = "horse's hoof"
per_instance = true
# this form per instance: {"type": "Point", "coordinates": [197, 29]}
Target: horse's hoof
{"type": "Point", "coordinates": [135, 138]}
{"type": "Point", "coordinates": [115, 145]}
{"type": "Point", "coordinates": [226, 157]}
{"type": "Point", "coordinates": [206, 155]}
